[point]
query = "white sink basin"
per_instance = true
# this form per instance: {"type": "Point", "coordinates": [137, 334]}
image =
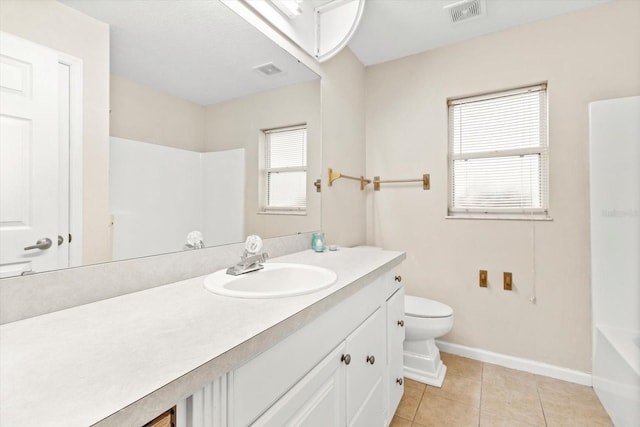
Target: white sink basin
{"type": "Point", "coordinates": [276, 280]}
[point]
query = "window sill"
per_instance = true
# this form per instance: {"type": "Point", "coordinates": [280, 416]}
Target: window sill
{"type": "Point", "coordinates": [504, 217]}
{"type": "Point", "coordinates": [295, 213]}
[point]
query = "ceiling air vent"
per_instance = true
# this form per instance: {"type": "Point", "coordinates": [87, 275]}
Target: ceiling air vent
{"type": "Point", "coordinates": [268, 69]}
{"type": "Point", "coordinates": [465, 10]}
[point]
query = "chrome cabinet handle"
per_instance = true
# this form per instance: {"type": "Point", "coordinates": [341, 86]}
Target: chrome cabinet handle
{"type": "Point", "coordinates": [399, 381]}
{"type": "Point", "coordinates": [401, 323]}
{"type": "Point", "coordinates": [398, 278]}
{"type": "Point", "coordinates": [42, 244]}
{"type": "Point", "coordinates": [346, 358]}
{"type": "Point", "coordinates": [371, 359]}
{"type": "Point", "coordinates": [60, 240]}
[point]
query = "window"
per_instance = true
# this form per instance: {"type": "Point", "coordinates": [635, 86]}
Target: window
{"type": "Point", "coordinates": [284, 170]}
{"type": "Point", "coordinates": [498, 160]}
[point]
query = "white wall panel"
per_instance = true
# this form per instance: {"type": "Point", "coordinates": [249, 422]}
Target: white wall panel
{"type": "Point", "coordinates": [155, 207]}
{"type": "Point", "coordinates": [223, 196]}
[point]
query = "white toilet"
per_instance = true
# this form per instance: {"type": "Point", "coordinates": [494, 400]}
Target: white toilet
{"type": "Point", "coordinates": [425, 320]}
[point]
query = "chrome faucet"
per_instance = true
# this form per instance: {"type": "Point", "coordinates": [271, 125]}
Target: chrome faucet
{"type": "Point", "coordinates": [248, 263]}
{"type": "Point", "coordinates": [250, 260]}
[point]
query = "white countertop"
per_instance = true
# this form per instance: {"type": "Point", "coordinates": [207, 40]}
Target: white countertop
{"type": "Point", "coordinates": [124, 360]}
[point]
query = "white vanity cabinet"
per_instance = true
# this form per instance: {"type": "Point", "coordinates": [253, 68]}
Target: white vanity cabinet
{"type": "Point", "coordinates": [305, 380]}
{"type": "Point", "coordinates": [338, 370]}
{"type": "Point", "coordinates": [345, 388]}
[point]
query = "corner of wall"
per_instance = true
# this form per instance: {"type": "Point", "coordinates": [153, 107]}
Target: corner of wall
{"type": "Point", "coordinates": [343, 148]}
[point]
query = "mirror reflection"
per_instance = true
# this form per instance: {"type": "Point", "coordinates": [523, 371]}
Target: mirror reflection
{"type": "Point", "coordinates": [193, 93]}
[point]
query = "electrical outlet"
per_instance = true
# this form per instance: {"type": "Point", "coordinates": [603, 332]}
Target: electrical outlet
{"type": "Point", "coordinates": [483, 278]}
{"type": "Point", "coordinates": [508, 281]}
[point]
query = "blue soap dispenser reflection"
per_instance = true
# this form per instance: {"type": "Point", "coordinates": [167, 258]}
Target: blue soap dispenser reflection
{"type": "Point", "coordinates": [317, 242]}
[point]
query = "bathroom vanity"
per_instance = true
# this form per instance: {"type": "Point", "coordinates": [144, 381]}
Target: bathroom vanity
{"type": "Point", "coordinates": [333, 356]}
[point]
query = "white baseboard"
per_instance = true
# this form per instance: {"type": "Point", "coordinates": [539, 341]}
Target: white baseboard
{"type": "Point", "coordinates": [518, 363]}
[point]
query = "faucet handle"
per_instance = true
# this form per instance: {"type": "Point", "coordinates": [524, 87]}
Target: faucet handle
{"type": "Point", "coordinates": [253, 244]}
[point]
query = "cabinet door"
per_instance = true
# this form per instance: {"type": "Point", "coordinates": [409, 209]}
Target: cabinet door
{"type": "Point", "coordinates": [365, 372]}
{"type": "Point", "coordinates": [317, 400]}
{"type": "Point", "coordinates": [395, 339]}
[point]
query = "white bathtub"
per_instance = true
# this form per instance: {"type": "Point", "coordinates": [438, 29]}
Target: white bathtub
{"type": "Point", "coordinates": [614, 169]}
{"type": "Point", "coordinates": [616, 374]}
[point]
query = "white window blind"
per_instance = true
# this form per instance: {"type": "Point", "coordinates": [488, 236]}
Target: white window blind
{"type": "Point", "coordinates": [498, 153]}
{"type": "Point", "coordinates": [285, 169]}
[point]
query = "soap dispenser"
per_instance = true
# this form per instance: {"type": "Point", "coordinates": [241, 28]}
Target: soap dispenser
{"type": "Point", "coordinates": [317, 242]}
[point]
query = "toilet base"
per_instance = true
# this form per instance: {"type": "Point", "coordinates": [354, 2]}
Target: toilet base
{"type": "Point", "coordinates": [422, 362]}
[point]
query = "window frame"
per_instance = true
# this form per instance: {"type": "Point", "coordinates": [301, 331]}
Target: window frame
{"type": "Point", "coordinates": [541, 150]}
{"type": "Point", "coordinates": [264, 189]}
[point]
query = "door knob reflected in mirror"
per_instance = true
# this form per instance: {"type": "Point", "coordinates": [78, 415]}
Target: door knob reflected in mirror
{"type": "Point", "coordinates": [42, 244]}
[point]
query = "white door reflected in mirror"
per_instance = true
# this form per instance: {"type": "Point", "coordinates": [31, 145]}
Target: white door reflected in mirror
{"type": "Point", "coordinates": [29, 117]}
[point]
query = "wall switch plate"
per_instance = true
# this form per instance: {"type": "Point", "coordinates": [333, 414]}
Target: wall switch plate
{"type": "Point", "coordinates": [508, 282]}
{"type": "Point", "coordinates": [483, 278]}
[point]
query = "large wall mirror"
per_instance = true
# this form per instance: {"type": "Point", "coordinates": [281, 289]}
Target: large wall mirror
{"type": "Point", "coordinates": [192, 88]}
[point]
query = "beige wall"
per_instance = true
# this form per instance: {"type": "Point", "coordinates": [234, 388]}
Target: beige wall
{"type": "Point", "coordinates": [238, 124]}
{"type": "Point", "coordinates": [59, 27]}
{"type": "Point", "coordinates": [343, 149]}
{"type": "Point", "coordinates": [142, 113]}
{"type": "Point", "coordinates": [586, 56]}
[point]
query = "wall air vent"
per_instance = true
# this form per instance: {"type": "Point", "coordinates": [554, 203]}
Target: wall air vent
{"type": "Point", "coordinates": [465, 10]}
{"type": "Point", "coordinates": [268, 69]}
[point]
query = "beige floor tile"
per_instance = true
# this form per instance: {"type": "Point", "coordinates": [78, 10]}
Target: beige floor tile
{"type": "Point", "coordinates": [514, 406]}
{"type": "Point", "coordinates": [400, 422]}
{"type": "Point", "coordinates": [505, 397]}
{"type": "Point", "coordinates": [505, 377]}
{"type": "Point", "coordinates": [488, 419]}
{"type": "Point", "coordinates": [558, 415]}
{"type": "Point", "coordinates": [570, 404]}
{"type": "Point", "coordinates": [458, 388]}
{"type": "Point", "coordinates": [461, 366]}
{"type": "Point", "coordinates": [438, 411]}
{"type": "Point", "coordinates": [409, 403]}
{"type": "Point", "coordinates": [511, 394]}
{"type": "Point", "coordinates": [408, 382]}
{"type": "Point", "coordinates": [557, 390]}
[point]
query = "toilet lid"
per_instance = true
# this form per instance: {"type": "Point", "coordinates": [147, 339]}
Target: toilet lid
{"type": "Point", "coordinates": [422, 307]}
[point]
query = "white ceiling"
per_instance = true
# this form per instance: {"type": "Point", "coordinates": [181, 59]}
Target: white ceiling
{"type": "Point", "coordinates": [202, 51]}
{"type": "Point", "coordinates": [198, 50]}
{"type": "Point", "coordinates": [391, 29]}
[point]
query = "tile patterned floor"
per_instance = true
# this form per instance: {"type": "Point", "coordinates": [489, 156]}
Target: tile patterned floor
{"type": "Point", "coordinates": [480, 394]}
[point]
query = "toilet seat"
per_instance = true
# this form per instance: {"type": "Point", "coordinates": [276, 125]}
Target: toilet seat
{"type": "Point", "coordinates": [425, 308]}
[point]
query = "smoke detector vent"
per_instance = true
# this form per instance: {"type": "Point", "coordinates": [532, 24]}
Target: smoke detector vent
{"type": "Point", "coordinates": [466, 10]}
{"type": "Point", "coordinates": [268, 69]}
